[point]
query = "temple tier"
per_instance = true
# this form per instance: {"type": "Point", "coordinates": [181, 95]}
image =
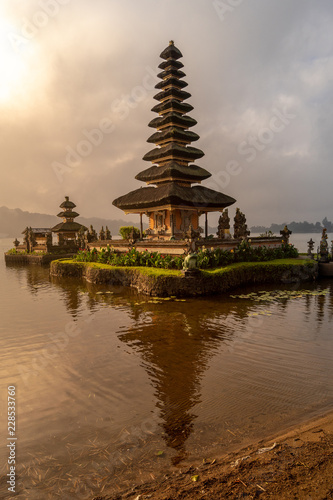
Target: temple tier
{"type": "Point", "coordinates": [173, 204]}
{"type": "Point", "coordinates": [68, 229]}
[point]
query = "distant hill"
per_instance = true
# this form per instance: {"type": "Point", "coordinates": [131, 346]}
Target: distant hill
{"type": "Point", "coordinates": [14, 221]}
{"type": "Point", "coordinates": [296, 227]}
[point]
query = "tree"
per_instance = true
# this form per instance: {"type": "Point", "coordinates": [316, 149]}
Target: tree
{"type": "Point", "coordinates": [328, 224]}
{"type": "Point", "coordinates": [126, 232]}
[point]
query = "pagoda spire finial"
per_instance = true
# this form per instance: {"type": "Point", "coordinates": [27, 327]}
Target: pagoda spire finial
{"type": "Point", "coordinates": [171, 42]}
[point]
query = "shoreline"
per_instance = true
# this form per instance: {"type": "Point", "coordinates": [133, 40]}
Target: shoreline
{"type": "Point", "coordinates": [165, 282]}
{"type": "Point", "coordinates": [294, 463]}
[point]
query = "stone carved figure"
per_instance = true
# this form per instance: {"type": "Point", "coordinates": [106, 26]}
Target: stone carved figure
{"type": "Point", "coordinates": [190, 264]}
{"type": "Point", "coordinates": [92, 235]}
{"type": "Point", "coordinates": [81, 238]}
{"type": "Point", "coordinates": [26, 239]}
{"type": "Point", "coordinates": [191, 236]}
{"type": "Point", "coordinates": [102, 234]}
{"type": "Point", "coordinates": [61, 239]}
{"type": "Point", "coordinates": [224, 225]}
{"type": "Point", "coordinates": [191, 233]}
{"type": "Point", "coordinates": [285, 233]}
{"type": "Point", "coordinates": [32, 239]}
{"type": "Point", "coordinates": [49, 242]}
{"type": "Point", "coordinates": [324, 247]}
{"type": "Point", "coordinates": [16, 243]}
{"type": "Point", "coordinates": [240, 226]}
{"type": "Point", "coordinates": [107, 233]}
{"type": "Point", "coordinates": [310, 248]}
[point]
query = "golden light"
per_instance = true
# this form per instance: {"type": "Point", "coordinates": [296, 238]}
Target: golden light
{"type": "Point", "coordinates": [13, 64]}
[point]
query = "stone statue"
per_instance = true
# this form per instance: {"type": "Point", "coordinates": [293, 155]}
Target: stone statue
{"type": "Point", "coordinates": [32, 239]}
{"type": "Point", "coordinates": [191, 233]}
{"type": "Point", "coordinates": [190, 265]}
{"type": "Point", "coordinates": [81, 238]}
{"type": "Point", "coordinates": [92, 235]}
{"type": "Point", "coordinates": [61, 239]}
{"type": "Point", "coordinates": [191, 236]}
{"type": "Point", "coordinates": [310, 248]}
{"type": "Point", "coordinates": [16, 243]}
{"type": "Point", "coordinates": [107, 233]}
{"type": "Point", "coordinates": [324, 247]}
{"type": "Point", "coordinates": [48, 242]}
{"type": "Point", "coordinates": [240, 226]}
{"type": "Point", "coordinates": [224, 225]}
{"type": "Point", "coordinates": [285, 235]}
{"type": "Point", "coordinates": [102, 234]}
{"type": "Point", "coordinates": [26, 239]}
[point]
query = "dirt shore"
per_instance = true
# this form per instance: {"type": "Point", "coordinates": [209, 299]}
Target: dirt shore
{"type": "Point", "coordinates": [295, 465]}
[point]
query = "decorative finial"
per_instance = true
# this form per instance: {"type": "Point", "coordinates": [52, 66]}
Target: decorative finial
{"type": "Point", "coordinates": [67, 198]}
{"type": "Point", "coordinates": [171, 42]}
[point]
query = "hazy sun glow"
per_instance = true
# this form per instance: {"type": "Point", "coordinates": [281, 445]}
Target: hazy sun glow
{"type": "Point", "coordinates": [13, 64]}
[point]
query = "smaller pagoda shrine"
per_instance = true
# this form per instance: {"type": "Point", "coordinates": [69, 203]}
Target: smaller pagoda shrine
{"type": "Point", "coordinates": [68, 229]}
{"type": "Point", "coordinates": [172, 204]}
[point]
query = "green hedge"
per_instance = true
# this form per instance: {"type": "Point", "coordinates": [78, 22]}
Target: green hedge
{"type": "Point", "coordinates": [207, 258]}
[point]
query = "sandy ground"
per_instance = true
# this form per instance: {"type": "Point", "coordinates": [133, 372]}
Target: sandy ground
{"type": "Point", "coordinates": [295, 465]}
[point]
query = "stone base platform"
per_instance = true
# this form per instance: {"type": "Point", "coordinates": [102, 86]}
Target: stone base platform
{"type": "Point", "coordinates": [165, 283]}
{"type": "Point", "coordinates": [26, 259]}
{"type": "Point", "coordinates": [326, 269]}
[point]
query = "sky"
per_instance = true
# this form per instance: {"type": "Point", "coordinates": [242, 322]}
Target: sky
{"type": "Point", "coordinates": [76, 91]}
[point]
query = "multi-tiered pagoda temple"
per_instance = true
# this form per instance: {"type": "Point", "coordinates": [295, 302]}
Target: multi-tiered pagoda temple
{"type": "Point", "coordinates": [174, 204]}
{"type": "Point", "coordinates": [68, 229]}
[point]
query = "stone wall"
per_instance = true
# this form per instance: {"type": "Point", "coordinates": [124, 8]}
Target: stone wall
{"type": "Point", "coordinates": [21, 258]}
{"type": "Point", "coordinates": [206, 283]}
{"type": "Point", "coordinates": [179, 247]}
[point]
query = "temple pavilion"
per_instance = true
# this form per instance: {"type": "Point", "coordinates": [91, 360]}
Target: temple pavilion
{"type": "Point", "coordinates": [68, 229]}
{"type": "Point", "coordinates": [170, 201]}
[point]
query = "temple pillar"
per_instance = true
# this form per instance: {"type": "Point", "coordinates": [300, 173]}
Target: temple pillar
{"type": "Point", "coordinates": [206, 225]}
{"type": "Point", "coordinates": [141, 227]}
{"type": "Point", "coordinates": [172, 225]}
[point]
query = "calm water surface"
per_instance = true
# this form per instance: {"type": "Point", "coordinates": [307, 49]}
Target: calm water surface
{"type": "Point", "coordinates": [105, 381]}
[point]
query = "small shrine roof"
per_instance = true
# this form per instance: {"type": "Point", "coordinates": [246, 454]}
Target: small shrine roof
{"type": "Point", "coordinates": [37, 230]}
{"type": "Point", "coordinates": [67, 203]}
{"type": "Point", "coordinates": [68, 227]}
{"type": "Point", "coordinates": [69, 214]}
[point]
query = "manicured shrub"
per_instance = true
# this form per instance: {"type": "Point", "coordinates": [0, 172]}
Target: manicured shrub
{"type": "Point", "coordinates": [126, 232]}
{"type": "Point", "coordinates": [207, 258]}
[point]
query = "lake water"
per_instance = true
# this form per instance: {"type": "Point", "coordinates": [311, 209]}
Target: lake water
{"type": "Point", "coordinates": [299, 240]}
{"type": "Point", "coordinates": [116, 388]}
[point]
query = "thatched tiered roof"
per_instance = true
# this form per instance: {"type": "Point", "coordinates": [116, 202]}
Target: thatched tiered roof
{"type": "Point", "coordinates": [68, 225]}
{"type": "Point", "coordinates": [172, 195]}
{"type": "Point", "coordinates": [172, 172]}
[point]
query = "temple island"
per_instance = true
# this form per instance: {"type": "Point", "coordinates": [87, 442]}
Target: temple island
{"type": "Point", "coordinates": [173, 201]}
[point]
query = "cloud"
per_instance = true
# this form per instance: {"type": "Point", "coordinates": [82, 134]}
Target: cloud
{"type": "Point", "coordinates": [95, 61]}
